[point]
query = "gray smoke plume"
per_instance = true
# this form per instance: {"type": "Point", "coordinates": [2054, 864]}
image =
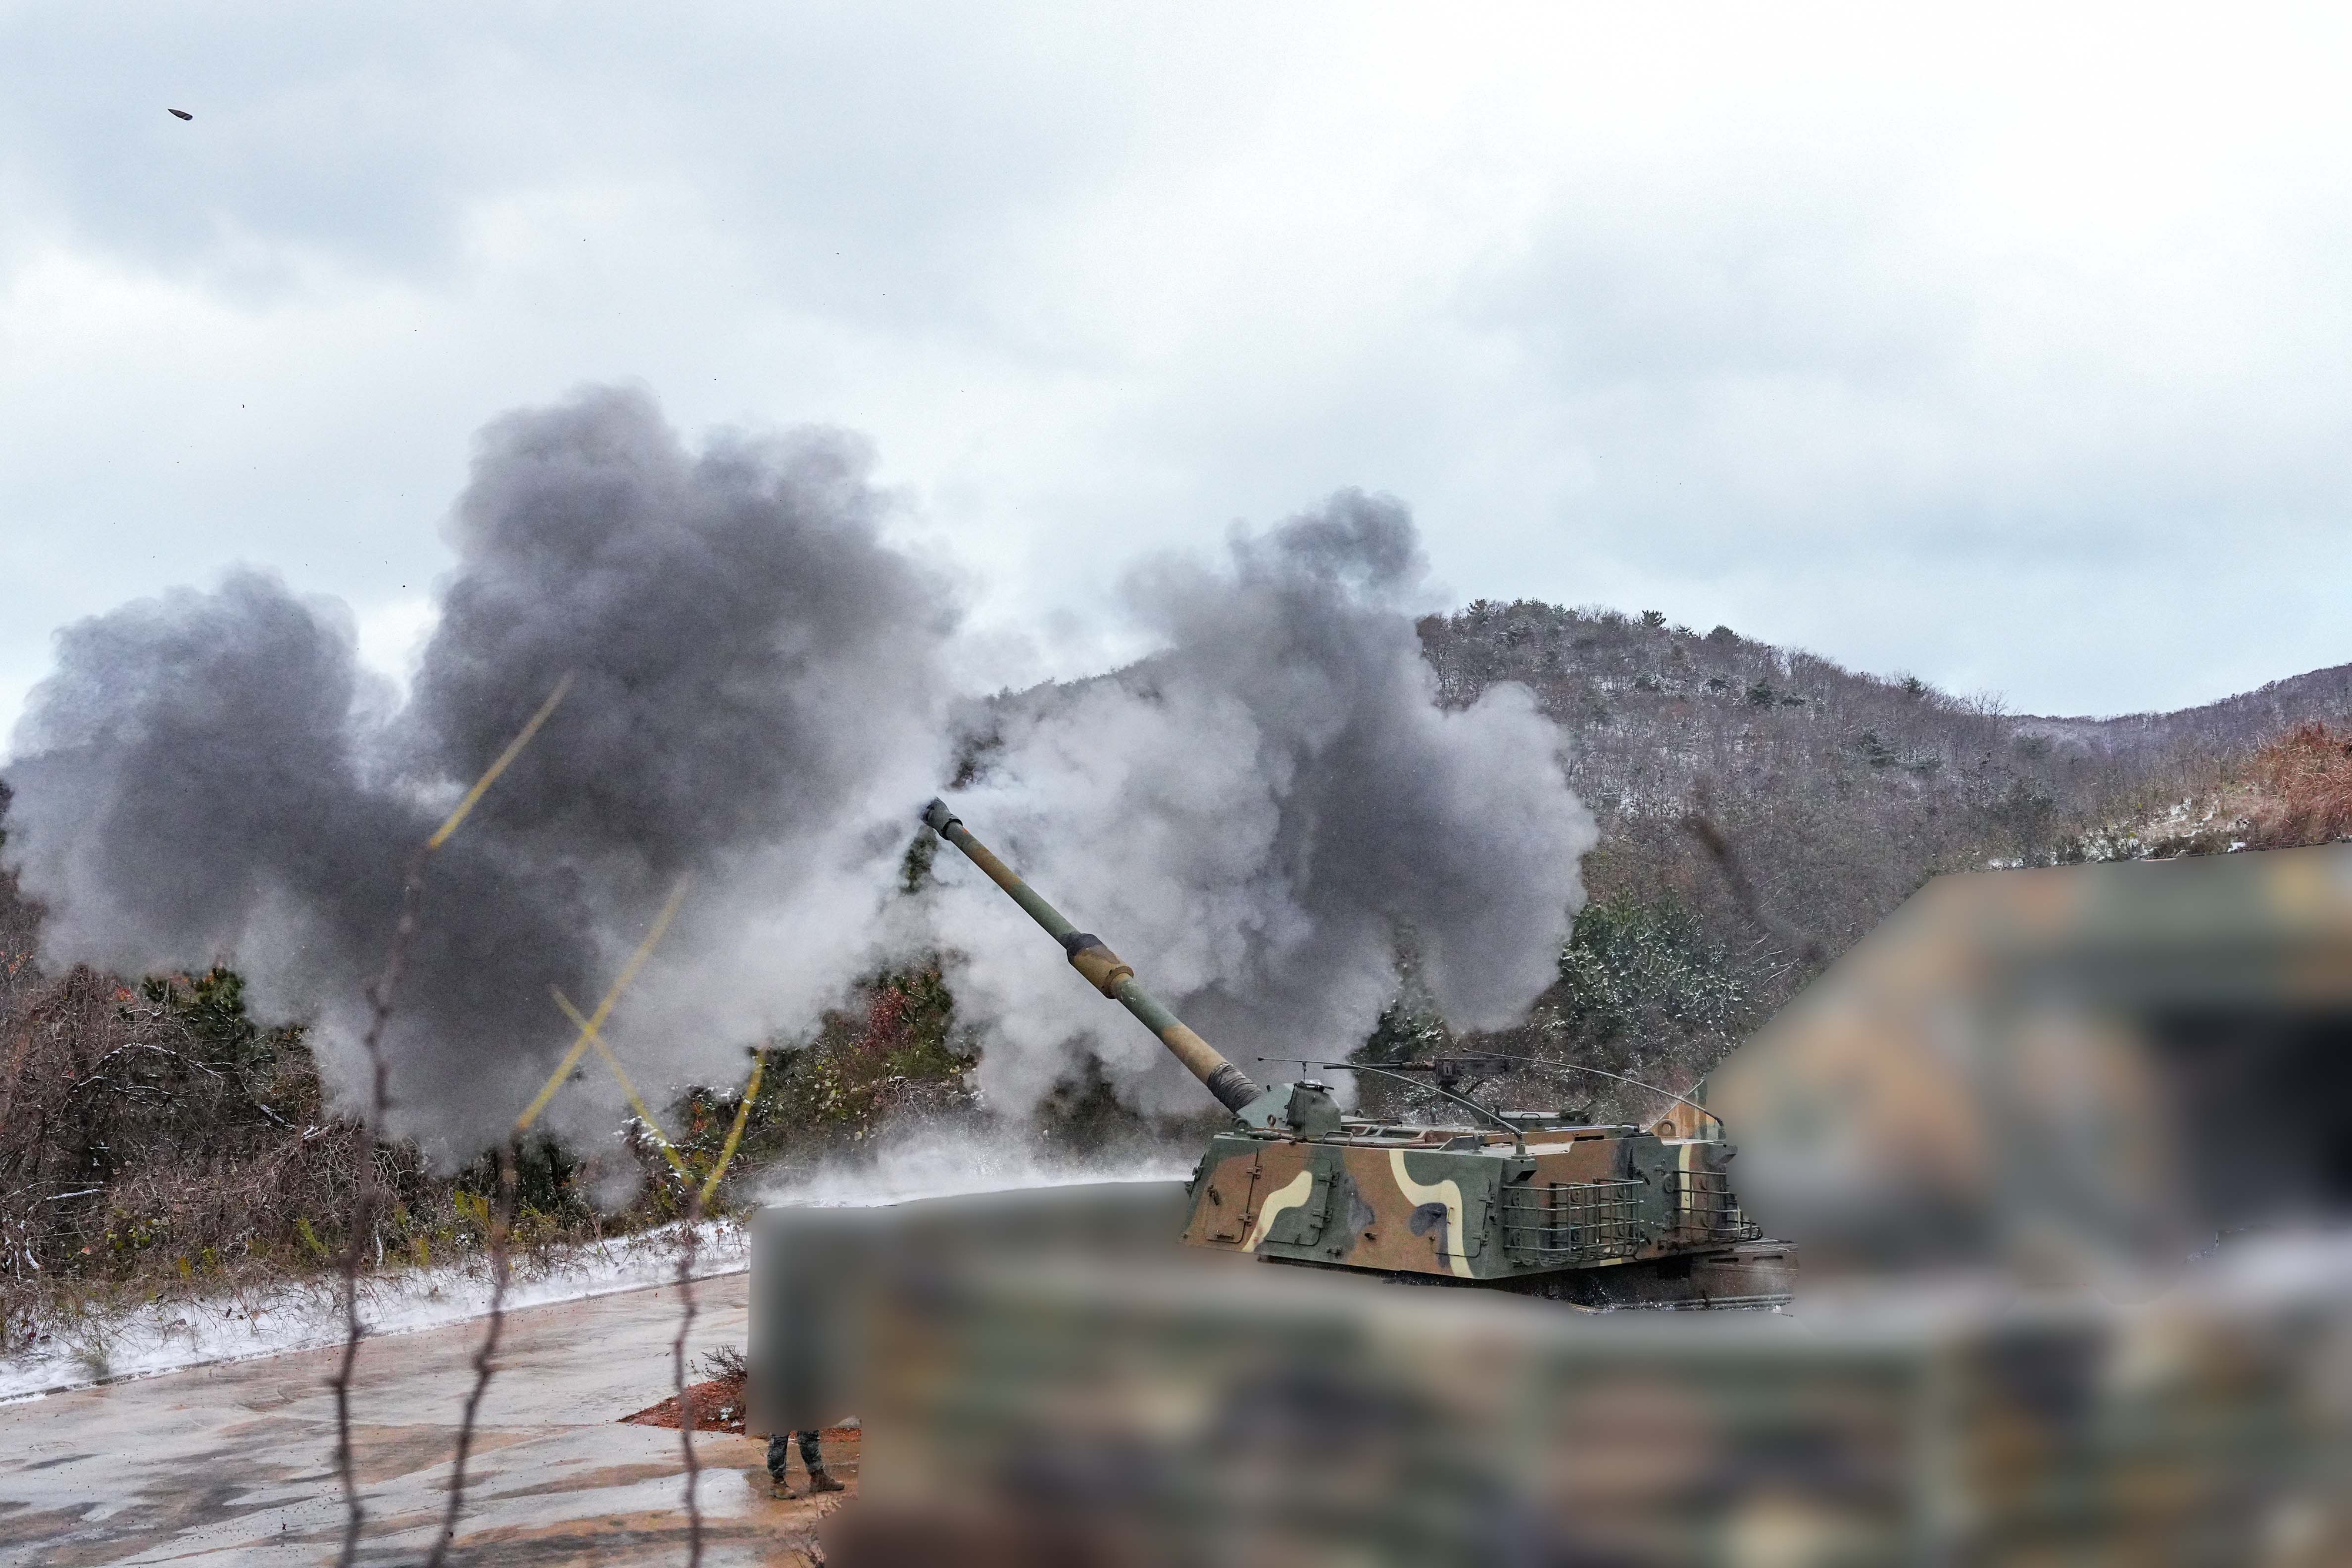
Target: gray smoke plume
{"type": "Point", "coordinates": [758, 702]}
{"type": "Point", "coordinates": [755, 701]}
{"type": "Point", "coordinates": [1251, 818]}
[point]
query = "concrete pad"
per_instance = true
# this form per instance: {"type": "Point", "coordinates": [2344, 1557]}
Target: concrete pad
{"type": "Point", "coordinates": [236, 1463]}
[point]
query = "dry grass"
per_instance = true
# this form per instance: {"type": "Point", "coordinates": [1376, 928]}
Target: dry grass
{"type": "Point", "coordinates": [155, 1135]}
{"type": "Point", "coordinates": [2303, 784]}
{"type": "Point", "coordinates": [156, 1144]}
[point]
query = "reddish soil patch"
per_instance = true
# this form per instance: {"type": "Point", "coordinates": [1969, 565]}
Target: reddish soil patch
{"type": "Point", "coordinates": [717, 1407]}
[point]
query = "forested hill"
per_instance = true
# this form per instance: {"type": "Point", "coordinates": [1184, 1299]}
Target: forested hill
{"type": "Point", "coordinates": [1837, 793]}
{"type": "Point", "coordinates": [1791, 748]}
{"type": "Point", "coordinates": [2233, 723]}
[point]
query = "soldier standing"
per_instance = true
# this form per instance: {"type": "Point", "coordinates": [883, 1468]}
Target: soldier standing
{"type": "Point", "coordinates": [812, 1458]}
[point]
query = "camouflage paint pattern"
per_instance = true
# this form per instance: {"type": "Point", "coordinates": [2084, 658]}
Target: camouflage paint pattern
{"type": "Point", "coordinates": [1465, 1205]}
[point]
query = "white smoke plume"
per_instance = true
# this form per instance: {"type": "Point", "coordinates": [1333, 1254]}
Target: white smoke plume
{"type": "Point", "coordinates": [1252, 816]}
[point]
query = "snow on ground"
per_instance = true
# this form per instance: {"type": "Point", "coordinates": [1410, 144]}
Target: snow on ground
{"type": "Point", "coordinates": [924, 1164]}
{"type": "Point", "coordinates": [300, 1315]}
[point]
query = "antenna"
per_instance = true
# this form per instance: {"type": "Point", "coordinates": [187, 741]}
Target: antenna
{"type": "Point", "coordinates": [1518, 1140]}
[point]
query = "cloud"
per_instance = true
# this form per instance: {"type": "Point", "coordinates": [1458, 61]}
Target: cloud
{"type": "Point", "coordinates": [1858, 331]}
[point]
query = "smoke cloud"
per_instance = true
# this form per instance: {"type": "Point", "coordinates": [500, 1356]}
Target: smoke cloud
{"type": "Point", "coordinates": [1253, 817]}
{"type": "Point", "coordinates": [761, 702]}
{"type": "Point", "coordinates": [755, 700]}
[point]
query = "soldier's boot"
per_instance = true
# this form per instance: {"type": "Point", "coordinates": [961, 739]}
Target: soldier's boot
{"type": "Point", "coordinates": [780, 1449]}
{"type": "Point", "coordinates": [819, 1482]}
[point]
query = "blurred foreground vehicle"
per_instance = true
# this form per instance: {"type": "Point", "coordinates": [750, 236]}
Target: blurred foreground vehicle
{"type": "Point", "coordinates": [2070, 1142]}
{"type": "Point", "coordinates": [2079, 1072]}
{"type": "Point", "coordinates": [1038, 1386]}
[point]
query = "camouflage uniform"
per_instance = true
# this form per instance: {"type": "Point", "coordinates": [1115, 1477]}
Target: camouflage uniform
{"type": "Point", "coordinates": [812, 1458]}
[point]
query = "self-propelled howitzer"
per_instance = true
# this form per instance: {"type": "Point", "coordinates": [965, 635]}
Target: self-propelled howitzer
{"type": "Point", "coordinates": [1534, 1201]}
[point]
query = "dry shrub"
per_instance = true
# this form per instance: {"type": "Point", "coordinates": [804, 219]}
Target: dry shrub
{"type": "Point", "coordinates": [156, 1132]}
{"type": "Point", "coordinates": [153, 1140]}
{"type": "Point", "coordinates": [726, 1363]}
{"type": "Point", "coordinates": [2303, 786]}
{"type": "Point", "coordinates": [720, 1401]}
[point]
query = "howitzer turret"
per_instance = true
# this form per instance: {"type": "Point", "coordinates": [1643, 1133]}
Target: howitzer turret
{"type": "Point", "coordinates": [1533, 1201]}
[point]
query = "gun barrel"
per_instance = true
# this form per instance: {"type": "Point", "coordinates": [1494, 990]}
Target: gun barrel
{"type": "Point", "coordinates": [1103, 969]}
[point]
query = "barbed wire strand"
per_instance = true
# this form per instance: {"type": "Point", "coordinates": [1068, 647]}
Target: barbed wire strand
{"type": "Point", "coordinates": [485, 1364]}
{"type": "Point", "coordinates": [697, 1199]}
{"type": "Point", "coordinates": [368, 1195]}
{"type": "Point", "coordinates": [485, 1354]}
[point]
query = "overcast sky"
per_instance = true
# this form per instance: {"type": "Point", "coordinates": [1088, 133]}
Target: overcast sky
{"type": "Point", "coordinates": [2014, 353]}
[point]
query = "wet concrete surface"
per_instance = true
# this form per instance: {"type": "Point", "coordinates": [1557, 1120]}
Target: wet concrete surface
{"type": "Point", "coordinates": [236, 1463]}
